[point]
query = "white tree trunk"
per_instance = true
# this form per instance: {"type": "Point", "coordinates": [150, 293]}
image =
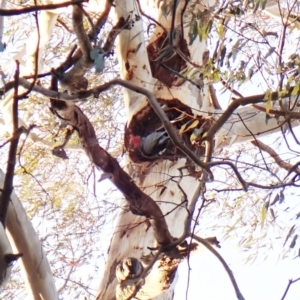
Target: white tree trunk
{"type": "Point", "coordinates": [5, 249]}
{"type": "Point", "coordinates": [34, 263]}
{"type": "Point", "coordinates": [163, 181]}
{"type": "Point", "coordinates": [132, 234]}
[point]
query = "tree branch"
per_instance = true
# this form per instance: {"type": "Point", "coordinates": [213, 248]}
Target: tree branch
{"type": "Point", "coordinates": [242, 102]}
{"type": "Point", "coordinates": [281, 163]}
{"type": "Point", "coordinates": [26, 10]}
{"type": "Point", "coordinates": [11, 160]}
{"type": "Point", "coordinates": [140, 203]}
{"type": "Point", "coordinates": [291, 281]}
{"type": "Point", "coordinates": [223, 262]}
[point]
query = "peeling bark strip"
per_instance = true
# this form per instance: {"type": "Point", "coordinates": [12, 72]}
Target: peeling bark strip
{"type": "Point", "coordinates": [140, 203]}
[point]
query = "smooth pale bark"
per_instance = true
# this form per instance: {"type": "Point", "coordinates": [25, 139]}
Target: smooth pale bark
{"type": "Point", "coordinates": [161, 181]}
{"type": "Point", "coordinates": [5, 249]}
{"type": "Point", "coordinates": [34, 263]}
{"type": "Point", "coordinates": [156, 180]}
{"type": "Point", "coordinates": [254, 124]}
{"type": "Point", "coordinates": [131, 240]}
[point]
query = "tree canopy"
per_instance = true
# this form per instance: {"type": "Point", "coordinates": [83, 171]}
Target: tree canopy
{"type": "Point", "coordinates": [181, 114]}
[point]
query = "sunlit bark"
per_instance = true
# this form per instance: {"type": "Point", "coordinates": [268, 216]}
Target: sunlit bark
{"type": "Point", "coordinates": [169, 182]}
{"type": "Point", "coordinates": [34, 263]}
{"type": "Point", "coordinates": [163, 180]}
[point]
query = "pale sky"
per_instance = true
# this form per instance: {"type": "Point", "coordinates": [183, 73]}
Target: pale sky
{"type": "Point", "coordinates": [209, 281]}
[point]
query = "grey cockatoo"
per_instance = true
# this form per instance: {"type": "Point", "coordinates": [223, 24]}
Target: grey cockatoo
{"type": "Point", "coordinates": [151, 145]}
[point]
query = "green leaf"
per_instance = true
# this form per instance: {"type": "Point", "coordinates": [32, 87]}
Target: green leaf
{"type": "Point", "coordinates": [182, 128]}
{"type": "Point", "coordinates": [185, 127]}
{"type": "Point", "coordinates": [193, 125]}
{"type": "Point", "coordinates": [235, 49]}
{"type": "Point", "coordinates": [268, 99]}
{"type": "Point", "coordinates": [271, 50]}
{"type": "Point", "coordinates": [193, 31]}
{"type": "Point", "coordinates": [207, 30]}
{"type": "Point", "coordinates": [221, 31]}
{"type": "Point", "coordinates": [296, 89]}
{"type": "Point", "coordinates": [263, 213]}
{"type": "Point", "coordinates": [193, 137]}
{"type": "Point", "coordinates": [216, 76]}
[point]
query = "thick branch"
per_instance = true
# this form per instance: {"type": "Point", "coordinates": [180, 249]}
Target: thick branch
{"type": "Point", "coordinates": [140, 203]}
{"type": "Point", "coordinates": [152, 100]}
{"type": "Point", "coordinates": [241, 102]}
{"type": "Point", "coordinates": [83, 39]}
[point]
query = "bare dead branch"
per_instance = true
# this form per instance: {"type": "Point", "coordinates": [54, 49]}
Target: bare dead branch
{"type": "Point", "coordinates": [26, 10]}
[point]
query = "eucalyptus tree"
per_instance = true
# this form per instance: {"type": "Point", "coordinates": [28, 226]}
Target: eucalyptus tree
{"type": "Point", "coordinates": [186, 158]}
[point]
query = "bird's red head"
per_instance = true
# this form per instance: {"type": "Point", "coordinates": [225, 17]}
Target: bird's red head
{"type": "Point", "coordinates": [135, 142]}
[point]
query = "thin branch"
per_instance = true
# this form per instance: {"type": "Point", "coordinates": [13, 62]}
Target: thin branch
{"type": "Point", "coordinates": [151, 98]}
{"type": "Point", "coordinates": [223, 262]}
{"type": "Point", "coordinates": [281, 163]}
{"type": "Point", "coordinates": [26, 10]}
{"type": "Point", "coordinates": [236, 104]}
{"type": "Point", "coordinates": [11, 160]}
{"type": "Point", "coordinates": [82, 37]}
{"type": "Point", "coordinates": [244, 183]}
{"type": "Point", "coordinates": [255, 139]}
{"type": "Point", "coordinates": [149, 17]}
{"type": "Point", "coordinates": [291, 281]}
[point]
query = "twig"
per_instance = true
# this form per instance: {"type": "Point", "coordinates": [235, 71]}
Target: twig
{"type": "Point", "coordinates": [291, 281]}
{"type": "Point", "coordinates": [152, 100]}
{"type": "Point", "coordinates": [11, 161]}
{"type": "Point", "coordinates": [223, 262]}
{"type": "Point", "coordinates": [281, 163]}
{"type": "Point", "coordinates": [26, 10]}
